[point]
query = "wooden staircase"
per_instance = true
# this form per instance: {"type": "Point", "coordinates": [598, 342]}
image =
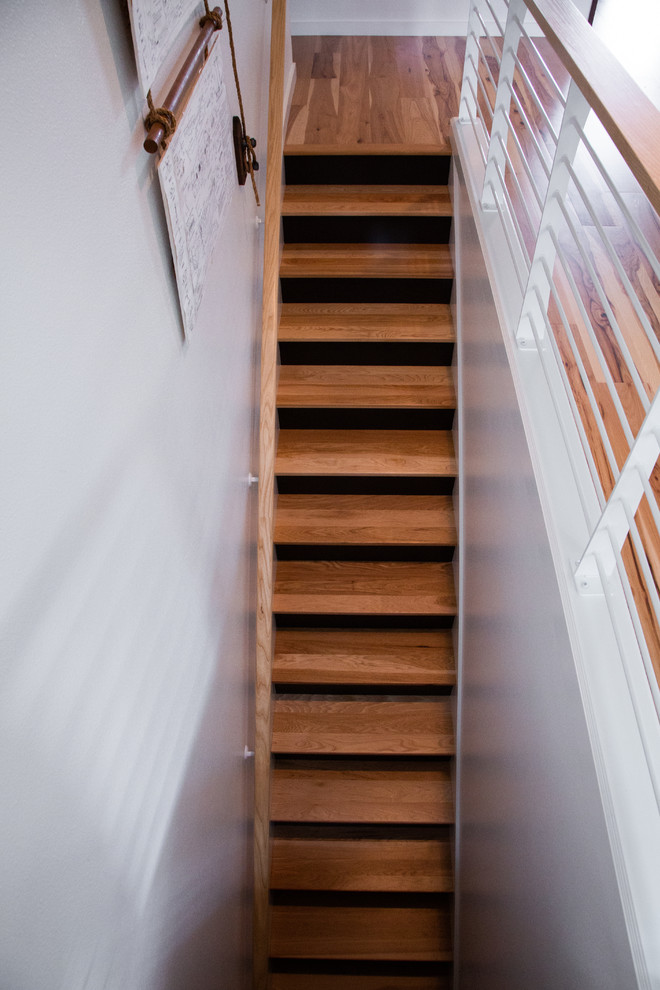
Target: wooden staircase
{"type": "Point", "coordinates": [361, 793]}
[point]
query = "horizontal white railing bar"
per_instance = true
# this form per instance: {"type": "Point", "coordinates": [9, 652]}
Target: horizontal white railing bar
{"type": "Point", "coordinates": [533, 222]}
{"type": "Point", "coordinates": [593, 404]}
{"type": "Point", "coordinates": [560, 96]}
{"type": "Point", "coordinates": [613, 322]}
{"type": "Point", "coordinates": [504, 217]}
{"type": "Point", "coordinates": [608, 88]}
{"type": "Point", "coordinates": [541, 151]}
{"type": "Point", "coordinates": [552, 361]}
{"type": "Point", "coordinates": [495, 17]}
{"type": "Point", "coordinates": [612, 527]}
{"type": "Point", "coordinates": [588, 326]}
{"type": "Point", "coordinates": [484, 92]}
{"type": "Point", "coordinates": [481, 137]}
{"type": "Point", "coordinates": [486, 33]}
{"type": "Point", "coordinates": [527, 168]}
{"type": "Point", "coordinates": [638, 235]}
{"type": "Point", "coordinates": [536, 98]}
{"type": "Point", "coordinates": [621, 272]}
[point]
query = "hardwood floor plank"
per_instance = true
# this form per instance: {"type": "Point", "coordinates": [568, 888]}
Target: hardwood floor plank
{"type": "Point", "coordinates": [411, 865]}
{"type": "Point", "coordinates": [356, 587]}
{"type": "Point", "coordinates": [366, 261]}
{"type": "Point", "coordinates": [365, 452]}
{"type": "Point", "coordinates": [311, 932]}
{"type": "Point", "coordinates": [365, 386]}
{"type": "Point", "coordinates": [364, 656]}
{"type": "Point", "coordinates": [365, 519]}
{"type": "Point", "coordinates": [368, 727]}
{"type": "Point", "coordinates": [392, 92]}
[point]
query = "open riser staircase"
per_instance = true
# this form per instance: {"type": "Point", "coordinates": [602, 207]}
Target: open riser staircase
{"type": "Point", "coordinates": [361, 789]}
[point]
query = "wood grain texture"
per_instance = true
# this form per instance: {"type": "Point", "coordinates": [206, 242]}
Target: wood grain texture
{"type": "Point", "coordinates": [424, 322]}
{"type": "Point", "coordinates": [364, 656]}
{"type": "Point", "coordinates": [361, 981]}
{"type": "Point", "coordinates": [365, 452]}
{"type": "Point", "coordinates": [366, 261]}
{"type": "Point", "coordinates": [384, 94]}
{"type": "Point", "coordinates": [311, 932]}
{"type": "Point", "coordinates": [366, 519]}
{"type": "Point", "coordinates": [366, 201]}
{"type": "Point", "coordinates": [417, 865]}
{"type": "Point", "coordinates": [267, 424]}
{"type": "Point", "coordinates": [365, 386]}
{"type": "Point", "coordinates": [357, 587]}
{"type": "Point", "coordinates": [374, 796]}
{"type": "Point", "coordinates": [365, 727]}
{"type": "Point", "coordinates": [609, 89]}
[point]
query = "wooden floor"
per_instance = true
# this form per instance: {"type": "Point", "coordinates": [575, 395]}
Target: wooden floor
{"type": "Point", "coordinates": [370, 95]}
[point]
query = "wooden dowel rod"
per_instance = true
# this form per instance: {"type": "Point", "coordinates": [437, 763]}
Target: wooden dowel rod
{"type": "Point", "coordinates": [183, 82]}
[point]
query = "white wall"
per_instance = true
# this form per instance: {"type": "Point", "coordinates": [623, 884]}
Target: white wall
{"type": "Point", "coordinates": [384, 17]}
{"type": "Point", "coordinates": [538, 903]}
{"type": "Point", "coordinates": [126, 580]}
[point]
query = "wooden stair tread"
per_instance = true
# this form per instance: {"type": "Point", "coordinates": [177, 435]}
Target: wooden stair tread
{"type": "Point", "coordinates": [359, 981]}
{"type": "Point", "coordinates": [365, 796]}
{"type": "Point", "coordinates": [320, 932]}
{"type": "Point", "coordinates": [382, 520]}
{"type": "Point", "coordinates": [362, 200]}
{"type": "Point", "coordinates": [409, 865]}
{"type": "Point", "coordinates": [365, 452]}
{"type": "Point", "coordinates": [364, 656]}
{"type": "Point", "coordinates": [364, 587]}
{"type": "Point", "coordinates": [367, 727]}
{"type": "Point", "coordinates": [364, 386]}
{"type": "Point", "coordinates": [366, 261]}
{"type": "Point", "coordinates": [421, 322]}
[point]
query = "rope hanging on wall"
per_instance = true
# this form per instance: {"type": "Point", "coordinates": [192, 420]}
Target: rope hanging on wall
{"type": "Point", "coordinates": [246, 160]}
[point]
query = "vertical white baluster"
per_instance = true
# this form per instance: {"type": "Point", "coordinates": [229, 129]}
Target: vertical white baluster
{"type": "Point", "coordinates": [612, 528]}
{"type": "Point", "coordinates": [500, 129]}
{"type": "Point", "coordinates": [537, 294]}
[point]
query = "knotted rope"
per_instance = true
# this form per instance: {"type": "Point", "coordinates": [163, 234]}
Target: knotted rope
{"type": "Point", "coordinates": [212, 16]}
{"type": "Point", "coordinates": [162, 116]}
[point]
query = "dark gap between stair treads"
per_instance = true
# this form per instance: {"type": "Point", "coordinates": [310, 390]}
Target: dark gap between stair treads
{"type": "Point", "coordinates": [361, 485]}
{"type": "Point", "coordinates": [359, 898]}
{"type": "Point", "coordinates": [287, 688]}
{"type": "Point", "coordinates": [382, 764]}
{"type": "Point", "coordinates": [297, 620]}
{"type": "Point", "coordinates": [381, 353]}
{"type": "Point", "coordinates": [365, 419]}
{"type": "Point", "coordinates": [366, 230]}
{"type": "Point", "coordinates": [366, 290]}
{"type": "Point", "coordinates": [424, 170]}
{"type": "Point", "coordinates": [359, 967]}
{"type": "Point", "coordinates": [365, 696]}
{"type": "Point", "coordinates": [334, 832]}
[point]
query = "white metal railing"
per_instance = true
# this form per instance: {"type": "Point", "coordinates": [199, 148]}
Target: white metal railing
{"type": "Point", "coordinates": [560, 152]}
{"type": "Point", "coordinates": [584, 240]}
